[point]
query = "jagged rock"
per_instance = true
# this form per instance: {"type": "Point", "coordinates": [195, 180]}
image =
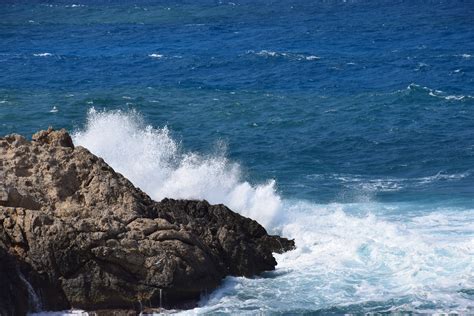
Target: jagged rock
{"type": "Point", "coordinates": [82, 236]}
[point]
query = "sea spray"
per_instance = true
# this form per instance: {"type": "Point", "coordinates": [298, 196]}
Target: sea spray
{"type": "Point", "coordinates": [154, 161]}
{"type": "Point", "coordinates": [349, 257]}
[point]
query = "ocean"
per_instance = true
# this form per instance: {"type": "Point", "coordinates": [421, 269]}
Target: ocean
{"type": "Point", "coordinates": [346, 125]}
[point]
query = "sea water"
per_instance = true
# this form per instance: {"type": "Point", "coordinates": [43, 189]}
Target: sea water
{"type": "Point", "coordinates": [345, 125]}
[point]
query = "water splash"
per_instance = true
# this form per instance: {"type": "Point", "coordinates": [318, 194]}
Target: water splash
{"type": "Point", "coordinates": [154, 161]}
{"type": "Point", "coordinates": [349, 260]}
{"type": "Point", "coordinates": [349, 257]}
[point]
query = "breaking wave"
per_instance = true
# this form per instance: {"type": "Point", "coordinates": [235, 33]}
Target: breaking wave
{"type": "Point", "coordinates": [152, 160]}
{"type": "Point", "coordinates": [353, 257]}
{"type": "Point", "coordinates": [287, 55]}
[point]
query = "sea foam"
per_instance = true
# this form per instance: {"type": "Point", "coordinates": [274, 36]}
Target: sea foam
{"type": "Point", "coordinates": [155, 162]}
{"type": "Point", "coordinates": [349, 260]}
{"type": "Point", "coordinates": [42, 54]}
{"type": "Point", "coordinates": [349, 257]}
{"type": "Point", "coordinates": [287, 55]}
{"type": "Point", "coordinates": [155, 55]}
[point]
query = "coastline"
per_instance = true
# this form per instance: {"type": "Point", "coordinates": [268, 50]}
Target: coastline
{"type": "Point", "coordinates": [80, 235]}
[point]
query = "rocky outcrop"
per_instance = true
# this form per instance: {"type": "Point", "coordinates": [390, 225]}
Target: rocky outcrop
{"type": "Point", "coordinates": [74, 233]}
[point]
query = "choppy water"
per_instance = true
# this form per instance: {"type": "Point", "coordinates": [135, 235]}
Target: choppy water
{"type": "Point", "coordinates": [345, 125]}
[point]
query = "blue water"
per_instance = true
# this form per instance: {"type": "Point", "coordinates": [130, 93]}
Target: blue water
{"type": "Point", "coordinates": [346, 125]}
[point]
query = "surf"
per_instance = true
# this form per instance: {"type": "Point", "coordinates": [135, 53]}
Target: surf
{"type": "Point", "coordinates": [366, 256]}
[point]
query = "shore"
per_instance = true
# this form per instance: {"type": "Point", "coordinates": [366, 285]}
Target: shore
{"type": "Point", "coordinates": [76, 234]}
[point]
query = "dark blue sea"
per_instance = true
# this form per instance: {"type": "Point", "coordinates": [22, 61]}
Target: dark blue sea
{"type": "Point", "coordinates": [346, 125]}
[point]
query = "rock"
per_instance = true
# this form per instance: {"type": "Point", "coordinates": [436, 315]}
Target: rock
{"type": "Point", "coordinates": [13, 293]}
{"type": "Point", "coordinates": [76, 234]}
{"type": "Point", "coordinates": [54, 138]}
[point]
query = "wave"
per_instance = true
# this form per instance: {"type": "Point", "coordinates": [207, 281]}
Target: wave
{"type": "Point", "coordinates": [385, 184]}
{"type": "Point", "coordinates": [291, 56]}
{"type": "Point", "coordinates": [349, 257]}
{"type": "Point", "coordinates": [361, 263]}
{"type": "Point", "coordinates": [436, 93]}
{"type": "Point", "coordinates": [65, 6]}
{"type": "Point", "coordinates": [155, 55]}
{"type": "Point", "coordinates": [160, 56]}
{"type": "Point", "coordinates": [42, 54]}
{"type": "Point", "coordinates": [153, 161]}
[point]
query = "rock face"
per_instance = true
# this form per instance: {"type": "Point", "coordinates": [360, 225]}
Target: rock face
{"type": "Point", "coordinates": [74, 233]}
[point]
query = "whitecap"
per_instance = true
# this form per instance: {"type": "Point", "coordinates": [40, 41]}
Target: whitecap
{"type": "Point", "coordinates": [437, 93]}
{"type": "Point", "coordinates": [267, 53]}
{"type": "Point", "coordinates": [155, 55]}
{"type": "Point", "coordinates": [42, 54]}
{"type": "Point", "coordinates": [288, 55]}
{"type": "Point", "coordinates": [369, 184]}
{"type": "Point", "coordinates": [454, 97]}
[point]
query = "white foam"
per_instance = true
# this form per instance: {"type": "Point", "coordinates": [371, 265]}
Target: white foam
{"type": "Point", "coordinates": [392, 254]}
{"type": "Point", "coordinates": [368, 184]}
{"type": "Point", "coordinates": [267, 53]}
{"type": "Point", "coordinates": [454, 97]}
{"type": "Point", "coordinates": [288, 55]}
{"type": "Point", "coordinates": [437, 93]}
{"type": "Point", "coordinates": [42, 54]}
{"type": "Point", "coordinates": [347, 255]}
{"type": "Point", "coordinates": [154, 161]}
{"type": "Point", "coordinates": [155, 55]}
